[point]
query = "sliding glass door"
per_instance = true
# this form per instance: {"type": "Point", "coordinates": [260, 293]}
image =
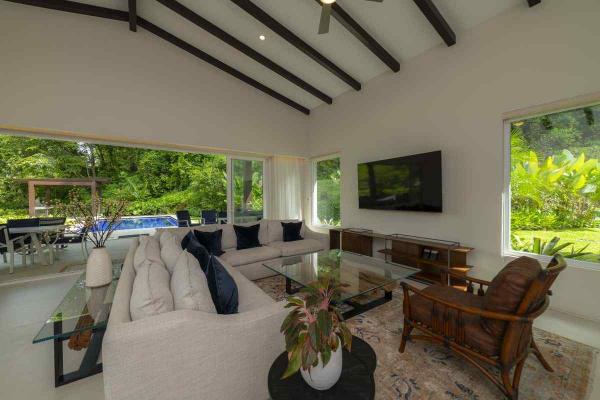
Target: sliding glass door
{"type": "Point", "coordinates": [246, 189]}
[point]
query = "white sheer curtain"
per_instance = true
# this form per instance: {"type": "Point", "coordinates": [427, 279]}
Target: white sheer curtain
{"type": "Point", "coordinates": [286, 178]}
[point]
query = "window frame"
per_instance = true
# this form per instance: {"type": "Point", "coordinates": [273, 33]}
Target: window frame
{"type": "Point", "coordinates": [506, 246]}
{"type": "Point", "coordinates": [313, 215]}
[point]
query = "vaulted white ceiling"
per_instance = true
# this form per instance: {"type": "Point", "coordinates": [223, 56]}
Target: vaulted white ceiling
{"type": "Point", "coordinates": [398, 25]}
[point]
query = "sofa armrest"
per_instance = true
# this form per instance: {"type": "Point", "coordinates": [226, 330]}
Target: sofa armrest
{"type": "Point", "coordinates": [321, 237]}
{"type": "Point", "coordinates": [191, 354]}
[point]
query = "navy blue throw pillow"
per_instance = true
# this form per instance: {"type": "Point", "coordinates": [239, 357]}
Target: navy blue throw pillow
{"type": "Point", "coordinates": [247, 236]}
{"type": "Point", "coordinates": [195, 248]}
{"type": "Point", "coordinates": [186, 239]}
{"type": "Point", "coordinates": [211, 240]}
{"type": "Point", "coordinates": [223, 290]}
{"type": "Point", "coordinates": [291, 231]}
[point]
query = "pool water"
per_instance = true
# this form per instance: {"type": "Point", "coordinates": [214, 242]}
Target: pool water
{"type": "Point", "coordinates": [161, 221]}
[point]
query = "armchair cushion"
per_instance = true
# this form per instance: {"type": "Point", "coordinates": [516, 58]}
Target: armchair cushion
{"type": "Point", "coordinates": [507, 290]}
{"type": "Point", "coordinates": [424, 311]}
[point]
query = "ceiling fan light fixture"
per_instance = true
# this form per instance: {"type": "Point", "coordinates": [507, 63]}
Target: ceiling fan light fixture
{"type": "Point", "coordinates": [328, 1]}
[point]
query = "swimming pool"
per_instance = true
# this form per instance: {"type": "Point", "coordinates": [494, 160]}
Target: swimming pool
{"type": "Point", "coordinates": [138, 225]}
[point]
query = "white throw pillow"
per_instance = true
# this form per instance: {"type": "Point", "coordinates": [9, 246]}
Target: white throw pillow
{"type": "Point", "coordinates": [148, 249]}
{"type": "Point", "coordinates": [170, 252]}
{"type": "Point", "coordinates": [189, 286]}
{"type": "Point", "coordinates": [164, 236]}
{"type": "Point", "coordinates": [151, 294]}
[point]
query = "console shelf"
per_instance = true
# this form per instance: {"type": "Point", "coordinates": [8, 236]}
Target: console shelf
{"type": "Point", "coordinates": [435, 258]}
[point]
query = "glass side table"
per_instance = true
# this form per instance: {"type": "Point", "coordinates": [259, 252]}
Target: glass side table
{"type": "Point", "coordinates": [81, 319]}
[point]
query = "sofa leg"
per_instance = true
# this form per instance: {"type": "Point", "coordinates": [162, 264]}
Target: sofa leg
{"type": "Point", "coordinates": [540, 356]}
{"type": "Point", "coordinates": [406, 330]}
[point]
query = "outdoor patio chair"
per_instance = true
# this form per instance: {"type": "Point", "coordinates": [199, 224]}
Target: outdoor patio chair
{"type": "Point", "coordinates": [3, 241]}
{"type": "Point", "coordinates": [209, 217]}
{"type": "Point", "coordinates": [19, 243]}
{"type": "Point", "coordinates": [184, 219]}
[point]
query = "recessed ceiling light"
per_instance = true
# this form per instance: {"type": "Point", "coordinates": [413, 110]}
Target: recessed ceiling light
{"type": "Point", "coordinates": [262, 37]}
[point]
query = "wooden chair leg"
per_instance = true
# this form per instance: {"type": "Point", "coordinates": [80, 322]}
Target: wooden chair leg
{"type": "Point", "coordinates": [540, 356]}
{"type": "Point", "coordinates": [507, 384]}
{"type": "Point", "coordinates": [406, 330]}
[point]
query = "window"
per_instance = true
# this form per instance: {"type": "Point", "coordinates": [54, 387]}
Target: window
{"type": "Point", "coordinates": [326, 191]}
{"type": "Point", "coordinates": [554, 188]}
{"type": "Point", "coordinates": [247, 190]}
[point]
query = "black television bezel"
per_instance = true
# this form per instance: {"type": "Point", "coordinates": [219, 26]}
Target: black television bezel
{"type": "Point", "coordinates": [441, 191]}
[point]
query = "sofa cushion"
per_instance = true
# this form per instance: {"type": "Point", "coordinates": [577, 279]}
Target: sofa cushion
{"type": "Point", "coordinates": [247, 236]}
{"type": "Point", "coordinates": [507, 290]}
{"type": "Point", "coordinates": [189, 286]}
{"type": "Point", "coordinates": [248, 256]}
{"type": "Point", "coordinates": [211, 240]}
{"type": "Point", "coordinates": [223, 289]}
{"type": "Point", "coordinates": [151, 293]}
{"type": "Point", "coordinates": [170, 251]}
{"type": "Point", "coordinates": [424, 311]}
{"type": "Point", "coordinates": [148, 249]}
{"type": "Point", "coordinates": [291, 231]}
{"type": "Point", "coordinates": [297, 247]}
{"type": "Point", "coordinates": [275, 229]}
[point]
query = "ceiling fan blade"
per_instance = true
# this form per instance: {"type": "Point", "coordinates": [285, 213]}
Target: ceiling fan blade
{"type": "Point", "coordinates": [377, 1]}
{"type": "Point", "coordinates": [325, 18]}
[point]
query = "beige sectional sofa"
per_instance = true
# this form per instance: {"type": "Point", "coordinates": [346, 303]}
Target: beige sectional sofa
{"type": "Point", "coordinates": [186, 354]}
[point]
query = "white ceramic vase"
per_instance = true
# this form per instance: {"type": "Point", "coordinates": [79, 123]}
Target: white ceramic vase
{"type": "Point", "coordinates": [323, 378]}
{"type": "Point", "coordinates": [98, 271]}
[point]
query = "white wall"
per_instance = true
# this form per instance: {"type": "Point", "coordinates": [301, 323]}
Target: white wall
{"type": "Point", "coordinates": [62, 71]}
{"type": "Point", "coordinates": [453, 99]}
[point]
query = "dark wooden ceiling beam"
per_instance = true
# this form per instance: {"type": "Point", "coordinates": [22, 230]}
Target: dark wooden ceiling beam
{"type": "Point", "coordinates": [118, 15]}
{"type": "Point", "coordinates": [437, 20]}
{"type": "Point", "coordinates": [219, 33]}
{"type": "Point", "coordinates": [363, 36]}
{"type": "Point", "coordinates": [533, 2]}
{"type": "Point", "coordinates": [77, 8]}
{"type": "Point", "coordinates": [132, 15]}
{"type": "Point", "coordinates": [274, 25]}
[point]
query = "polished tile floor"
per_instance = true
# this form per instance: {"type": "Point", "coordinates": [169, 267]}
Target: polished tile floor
{"type": "Point", "coordinates": [26, 370]}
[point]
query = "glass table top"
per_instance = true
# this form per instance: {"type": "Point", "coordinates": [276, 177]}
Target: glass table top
{"type": "Point", "coordinates": [81, 309]}
{"type": "Point", "coordinates": [360, 274]}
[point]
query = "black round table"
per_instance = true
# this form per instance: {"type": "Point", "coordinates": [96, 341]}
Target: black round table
{"type": "Point", "coordinates": [355, 383]}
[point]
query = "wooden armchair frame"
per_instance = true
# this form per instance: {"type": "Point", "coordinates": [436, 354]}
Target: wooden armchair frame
{"type": "Point", "coordinates": [517, 341]}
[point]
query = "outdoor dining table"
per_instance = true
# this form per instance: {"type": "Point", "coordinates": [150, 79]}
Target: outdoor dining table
{"type": "Point", "coordinates": [34, 232]}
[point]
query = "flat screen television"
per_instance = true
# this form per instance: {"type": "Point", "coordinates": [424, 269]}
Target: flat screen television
{"type": "Point", "coordinates": [412, 183]}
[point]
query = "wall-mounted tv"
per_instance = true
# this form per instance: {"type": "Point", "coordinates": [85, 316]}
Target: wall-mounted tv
{"type": "Point", "coordinates": [412, 183]}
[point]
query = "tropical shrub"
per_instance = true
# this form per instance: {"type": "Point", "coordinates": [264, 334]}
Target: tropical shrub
{"type": "Point", "coordinates": [549, 248]}
{"type": "Point", "coordinates": [560, 192]}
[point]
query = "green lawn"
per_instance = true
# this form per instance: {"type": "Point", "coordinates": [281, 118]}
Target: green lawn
{"type": "Point", "coordinates": [579, 237]}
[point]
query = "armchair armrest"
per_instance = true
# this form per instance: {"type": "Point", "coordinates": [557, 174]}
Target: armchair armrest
{"type": "Point", "coordinates": [467, 309]}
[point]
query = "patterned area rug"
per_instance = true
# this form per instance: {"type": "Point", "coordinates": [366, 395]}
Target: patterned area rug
{"type": "Point", "coordinates": [429, 371]}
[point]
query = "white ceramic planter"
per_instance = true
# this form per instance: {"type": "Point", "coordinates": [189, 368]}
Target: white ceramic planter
{"type": "Point", "coordinates": [98, 271]}
{"type": "Point", "coordinates": [323, 378]}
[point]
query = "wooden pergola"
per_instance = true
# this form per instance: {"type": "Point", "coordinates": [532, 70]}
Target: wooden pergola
{"type": "Point", "coordinates": [92, 183]}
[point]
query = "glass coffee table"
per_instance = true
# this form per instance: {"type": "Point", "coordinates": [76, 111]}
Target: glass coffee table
{"type": "Point", "coordinates": [360, 275]}
{"type": "Point", "coordinates": [81, 319]}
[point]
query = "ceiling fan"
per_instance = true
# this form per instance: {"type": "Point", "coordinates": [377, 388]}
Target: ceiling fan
{"type": "Point", "coordinates": [326, 14]}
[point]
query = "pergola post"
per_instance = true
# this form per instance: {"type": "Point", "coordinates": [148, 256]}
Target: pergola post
{"type": "Point", "coordinates": [93, 187]}
{"type": "Point", "coordinates": [31, 195]}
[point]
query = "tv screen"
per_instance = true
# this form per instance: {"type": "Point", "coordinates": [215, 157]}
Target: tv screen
{"type": "Point", "coordinates": [412, 183]}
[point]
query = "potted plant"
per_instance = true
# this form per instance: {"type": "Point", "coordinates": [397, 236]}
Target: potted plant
{"type": "Point", "coordinates": [315, 332]}
{"type": "Point", "coordinates": [97, 220]}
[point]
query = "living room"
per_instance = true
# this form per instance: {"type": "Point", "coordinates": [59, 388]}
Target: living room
{"type": "Point", "coordinates": [484, 84]}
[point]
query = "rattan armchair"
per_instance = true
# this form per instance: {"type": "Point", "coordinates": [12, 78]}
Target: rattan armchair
{"type": "Point", "coordinates": [492, 327]}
